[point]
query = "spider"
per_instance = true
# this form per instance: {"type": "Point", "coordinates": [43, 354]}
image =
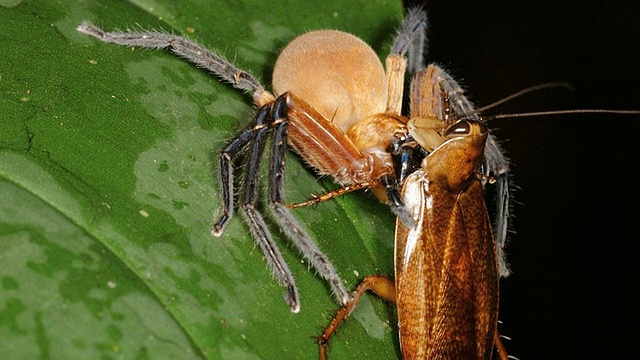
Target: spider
{"type": "Point", "coordinates": [337, 107]}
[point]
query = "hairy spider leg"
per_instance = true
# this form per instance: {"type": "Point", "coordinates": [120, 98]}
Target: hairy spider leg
{"type": "Point", "coordinates": [272, 118]}
{"type": "Point", "coordinates": [189, 50]}
{"type": "Point", "coordinates": [237, 143]}
{"type": "Point", "coordinates": [255, 137]}
{"type": "Point", "coordinates": [407, 46]}
{"type": "Point", "coordinates": [495, 167]}
{"type": "Point", "coordinates": [411, 39]}
{"type": "Point", "coordinates": [283, 216]}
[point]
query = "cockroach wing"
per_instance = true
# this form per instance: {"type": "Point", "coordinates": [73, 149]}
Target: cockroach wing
{"type": "Point", "coordinates": [446, 268]}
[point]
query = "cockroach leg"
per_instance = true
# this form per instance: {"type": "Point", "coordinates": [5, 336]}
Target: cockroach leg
{"type": "Point", "coordinates": [382, 286]}
{"type": "Point", "coordinates": [499, 346]}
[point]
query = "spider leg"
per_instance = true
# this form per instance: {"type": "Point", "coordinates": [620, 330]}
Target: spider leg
{"type": "Point", "coordinates": [188, 49]}
{"type": "Point", "coordinates": [226, 177]}
{"type": "Point", "coordinates": [395, 201]}
{"type": "Point", "coordinates": [411, 39]}
{"type": "Point", "coordinates": [254, 219]}
{"type": "Point", "coordinates": [496, 166]}
{"type": "Point", "coordinates": [296, 233]}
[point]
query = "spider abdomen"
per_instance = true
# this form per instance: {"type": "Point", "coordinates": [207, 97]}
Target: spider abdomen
{"type": "Point", "coordinates": [336, 73]}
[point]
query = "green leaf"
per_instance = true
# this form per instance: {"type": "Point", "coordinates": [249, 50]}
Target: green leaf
{"type": "Point", "coordinates": [108, 183]}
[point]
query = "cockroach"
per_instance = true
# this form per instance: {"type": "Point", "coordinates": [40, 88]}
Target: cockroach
{"type": "Point", "coordinates": [446, 264]}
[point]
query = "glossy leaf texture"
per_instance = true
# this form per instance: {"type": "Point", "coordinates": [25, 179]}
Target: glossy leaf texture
{"type": "Point", "coordinates": [108, 171]}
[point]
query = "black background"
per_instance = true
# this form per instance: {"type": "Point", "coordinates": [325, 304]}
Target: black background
{"type": "Point", "coordinates": [573, 293]}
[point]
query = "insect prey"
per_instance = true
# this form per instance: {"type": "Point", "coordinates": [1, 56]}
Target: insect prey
{"type": "Point", "coordinates": [447, 264]}
{"type": "Point", "coordinates": [446, 267]}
